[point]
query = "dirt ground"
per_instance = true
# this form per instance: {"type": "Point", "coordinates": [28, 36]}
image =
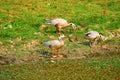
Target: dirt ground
{"type": "Point", "coordinates": [80, 52]}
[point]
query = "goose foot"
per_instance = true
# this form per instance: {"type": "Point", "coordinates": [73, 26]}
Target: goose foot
{"type": "Point", "coordinates": [60, 56]}
{"type": "Point", "coordinates": [54, 56]}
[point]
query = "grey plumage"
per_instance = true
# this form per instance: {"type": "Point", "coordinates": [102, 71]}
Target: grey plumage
{"type": "Point", "coordinates": [60, 23]}
{"type": "Point", "coordinates": [55, 45]}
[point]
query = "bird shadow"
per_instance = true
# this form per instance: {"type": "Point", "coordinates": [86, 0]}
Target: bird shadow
{"type": "Point", "coordinates": [84, 43]}
{"type": "Point", "coordinates": [43, 52]}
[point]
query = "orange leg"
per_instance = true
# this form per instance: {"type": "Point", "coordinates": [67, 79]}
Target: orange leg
{"type": "Point", "coordinates": [59, 55]}
{"type": "Point", "coordinates": [52, 50]}
{"type": "Point", "coordinates": [58, 31]}
{"type": "Point", "coordinates": [95, 42]}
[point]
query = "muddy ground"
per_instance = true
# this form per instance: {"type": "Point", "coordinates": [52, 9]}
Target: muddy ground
{"type": "Point", "coordinates": [75, 50]}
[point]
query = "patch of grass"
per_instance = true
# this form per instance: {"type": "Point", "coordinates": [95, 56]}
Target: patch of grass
{"type": "Point", "coordinates": [64, 69]}
{"type": "Point", "coordinates": [27, 18]}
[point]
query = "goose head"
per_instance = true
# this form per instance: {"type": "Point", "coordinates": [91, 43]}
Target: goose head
{"type": "Point", "coordinates": [103, 37]}
{"type": "Point", "coordinates": [61, 36]}
{"type": "Point", "coordinates": [73, 25]}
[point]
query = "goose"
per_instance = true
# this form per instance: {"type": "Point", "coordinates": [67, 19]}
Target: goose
{"type": "Point", "coordinates": [60, 23]}
{"type": "Point", "coordinates": [55, 45]}
{"type": "Point", "coordinates": [94, 36]}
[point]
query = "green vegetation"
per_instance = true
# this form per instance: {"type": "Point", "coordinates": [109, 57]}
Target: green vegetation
{"type": "Point", "coordinates": [27, 16]}
{"type": "Point", "coordinates": [23, 28]}
{"type": "Point", "coordinates": [95, 69]}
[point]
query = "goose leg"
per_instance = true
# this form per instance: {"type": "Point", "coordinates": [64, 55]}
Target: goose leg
{"type": "Point", "coordinates": [52, 50]}
{"type": "Point", "coordinates": [95, 42]}
{"type": "Point", "coordinates": [58, 30]}
{"type": "Point", "coordinates": [59, 55]}
{"type": "Point", "coordinates": [90, 43]}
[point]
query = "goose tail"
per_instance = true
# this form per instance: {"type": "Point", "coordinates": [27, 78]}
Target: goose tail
{"type": "Point", "coordinates": [45, 43]}
{"type": "Point", "coordinates": [48, 21]}
{"type": "Point", "coordinates": [87, 34]}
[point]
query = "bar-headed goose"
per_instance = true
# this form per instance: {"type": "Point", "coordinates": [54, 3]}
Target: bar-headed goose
{"type": "Point", "coordinates": [94, 36]}
{"type": "Point", "coordinates": [60, 23]}
{"type": "Point", "coordinates": [55, 45]}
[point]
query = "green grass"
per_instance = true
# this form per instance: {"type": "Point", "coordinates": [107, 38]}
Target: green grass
{"type": "Point", "coordinates": [21, 23]}
{"type": "Point", "coordinates": [93, 69]}
{"type": "Point", "coordinates": [26, 17]}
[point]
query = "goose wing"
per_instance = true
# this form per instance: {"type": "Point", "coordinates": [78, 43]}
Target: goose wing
{"type": "Point", "coordinates": [92, 34]}
{"type": "Point", "coordinates": [51, 43]}
{"type": "Point", "coordinates": [56, 21]}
